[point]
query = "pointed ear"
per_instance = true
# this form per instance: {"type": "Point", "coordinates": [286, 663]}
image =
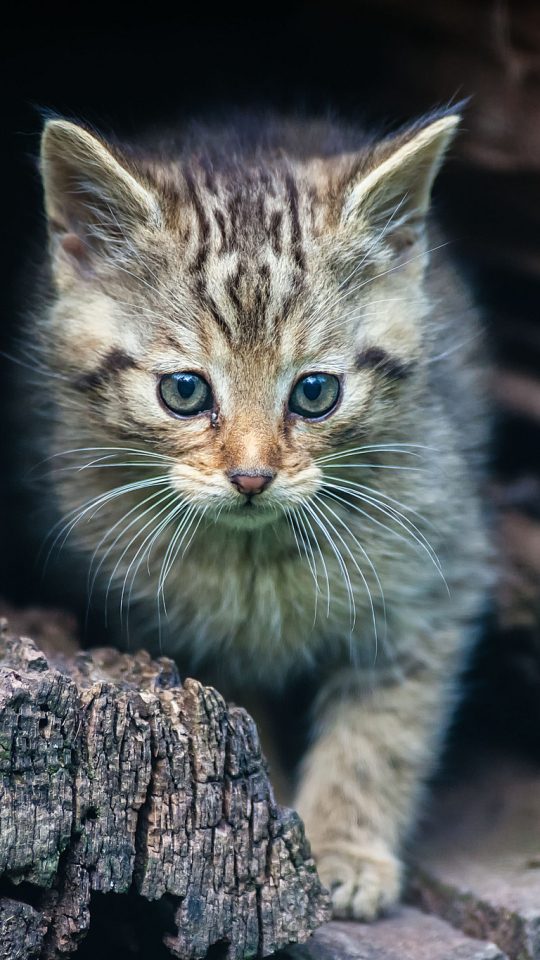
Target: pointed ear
{"type": "Point", "coordinates": [396, 192]}
{"type": "Point", "coordinates": [90, 197]}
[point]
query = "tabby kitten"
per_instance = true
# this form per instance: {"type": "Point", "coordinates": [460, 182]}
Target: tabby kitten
{"type": "Point", "coordinates": [266, 433]}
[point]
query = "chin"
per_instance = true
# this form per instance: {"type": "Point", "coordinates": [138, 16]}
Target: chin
{"type": "Point", "coordinates": [248, 517]}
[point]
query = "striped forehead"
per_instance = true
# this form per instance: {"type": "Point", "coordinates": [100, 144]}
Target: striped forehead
{"type": "Point", "coordinates": [247, 257]}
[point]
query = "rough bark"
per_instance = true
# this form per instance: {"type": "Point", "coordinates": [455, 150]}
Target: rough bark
{"type": "Point", "coordinates": [117, 779]}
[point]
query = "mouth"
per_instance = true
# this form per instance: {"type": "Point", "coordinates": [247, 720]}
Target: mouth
{"type": "Point", "coordinates": [249, 514]}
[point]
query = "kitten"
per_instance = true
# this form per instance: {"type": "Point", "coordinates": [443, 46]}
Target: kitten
{"type": "Point", "coordinates": [267, 424]}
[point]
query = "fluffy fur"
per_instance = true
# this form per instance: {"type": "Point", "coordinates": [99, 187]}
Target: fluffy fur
{"type": "Point", "coordinates": [254, 255]}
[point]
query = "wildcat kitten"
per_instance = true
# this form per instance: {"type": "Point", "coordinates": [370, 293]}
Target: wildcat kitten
{"type": "Point", "coordinates": [267, 421]}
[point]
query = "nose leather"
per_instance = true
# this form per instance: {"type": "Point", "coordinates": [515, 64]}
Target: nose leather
{"type": "Point", "coordinates": [250, 485]}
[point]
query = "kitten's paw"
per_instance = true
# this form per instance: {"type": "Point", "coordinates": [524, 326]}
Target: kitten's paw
{"type": "Point", "coordinates": [361, 886]}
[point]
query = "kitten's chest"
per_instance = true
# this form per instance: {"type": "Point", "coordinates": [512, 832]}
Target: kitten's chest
{"type": "Point", "coordinates": [268, 606]}
{"type": "Point", "coordinates": [226, 591]}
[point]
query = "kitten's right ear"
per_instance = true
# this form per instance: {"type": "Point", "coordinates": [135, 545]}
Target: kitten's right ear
{"type": "Point", "coordinates": [91, 199]}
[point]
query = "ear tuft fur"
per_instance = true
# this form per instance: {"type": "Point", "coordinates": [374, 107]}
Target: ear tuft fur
{"type": "Point", "coordinates": [85, 185]}
{"type": "Point", "coordinates": [399, 184]}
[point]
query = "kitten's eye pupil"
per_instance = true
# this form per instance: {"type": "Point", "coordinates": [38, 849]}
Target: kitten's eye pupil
{"type": "Point", "coordinates": [312, 388]}
{"type": "Point", "coordinates": [314, 396]}
{"type": "Point", "coordinates": [186, 386]}
{"type": "Point", "coordinates": [186, 394]}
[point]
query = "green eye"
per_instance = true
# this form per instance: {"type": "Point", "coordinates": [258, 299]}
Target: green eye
{"type": "Point", "coordinates": [185, 393]}
{"type": "Point", "coordinates": [315, 395]}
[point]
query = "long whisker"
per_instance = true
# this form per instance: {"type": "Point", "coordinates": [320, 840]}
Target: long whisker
{"type": "Point", "coordinates": [404, 448]}
{"type": "Point", "coordinates": [96, 503]}
{"type": "Point", "coordinates": [152, 536]}
{"type": "Point", "coordinates": [361, 486]}
{"type": "Point", "coordinates": [377, 579]}
{"type": "Point", "coordinates": [308, 551]}
{"type": "Point", "coordinates": [141, 550]}
{"type": "Point", "coordinates": [35, 369]}
{"type": "Point", "coordinates": [453, 349]}
{"type": "Point", "coordinates": [348, 316]}
{"type": "Point", "coordinates": [385, 273]}
{"type": "Point", "coordinates": [174, 548]}
{"type": "Point", "coordinates": [145, 550]}
{"type": "Point", "coordinates": [310, 527]}
{"type": "Point", "coordinates": [163, 576]}
{"type": "Point", "coordinates": [190, 541]}
{"type": "Point", "coordinates": [151, 454]}
{"type": "Point", "coordinates": [372, 466]}
{"type": "Point", "coordinates": [293, 529]}
{"type": "Point", "coordinates": [392, 514]}
{"type": "Point", "coordinates": [163, 498]}
{"type": "Point", "coordinates": [344, 572]}
{"type": "Point", "coordinates": [353, 558]}
{"type": "Point", "coordinates": [399, 518]}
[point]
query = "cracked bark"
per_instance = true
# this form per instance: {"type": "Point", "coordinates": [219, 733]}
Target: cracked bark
{"type": "Point", "coordinates": [117, 779]}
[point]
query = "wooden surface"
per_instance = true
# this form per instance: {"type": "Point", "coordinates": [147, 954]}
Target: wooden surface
{"type": "Point", "coordinates": [114, 779]}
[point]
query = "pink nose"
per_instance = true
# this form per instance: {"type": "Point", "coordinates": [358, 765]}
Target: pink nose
{"type": "Point", "coordinates": [251, 485]}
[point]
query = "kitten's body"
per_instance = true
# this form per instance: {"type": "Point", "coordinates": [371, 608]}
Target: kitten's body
{"type": "Point", "coordinates": [253, 261]}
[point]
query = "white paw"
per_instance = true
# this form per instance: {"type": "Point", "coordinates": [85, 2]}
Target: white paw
{"type": "Point", "coordinates": [361, 887]}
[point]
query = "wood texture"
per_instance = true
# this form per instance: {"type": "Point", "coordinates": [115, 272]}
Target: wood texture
{"type": "Point", "coordinates": [116, 779]}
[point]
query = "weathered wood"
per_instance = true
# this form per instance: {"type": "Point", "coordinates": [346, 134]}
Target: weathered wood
{"type": "Point", "coordinates": [117, 779]}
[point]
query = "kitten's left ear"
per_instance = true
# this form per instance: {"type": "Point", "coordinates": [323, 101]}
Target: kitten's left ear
{"type": "Point", "coordinates": [396, 192]}
{"type": "Point", "coordinates": [93, 201]}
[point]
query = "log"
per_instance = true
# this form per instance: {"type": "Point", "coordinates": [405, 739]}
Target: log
{"type": "Point", "coordinates": [133, 806]}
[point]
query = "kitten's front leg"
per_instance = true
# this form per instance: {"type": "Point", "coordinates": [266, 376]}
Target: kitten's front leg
{"type": "Point", "coordinates": [361, 786]}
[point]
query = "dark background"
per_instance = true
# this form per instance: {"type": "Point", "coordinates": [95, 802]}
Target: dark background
{"type": "Point", "coordinates": [382, 63]}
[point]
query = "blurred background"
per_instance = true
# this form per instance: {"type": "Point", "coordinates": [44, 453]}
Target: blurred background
{"type": "Point", "coordinates": [382, 62]}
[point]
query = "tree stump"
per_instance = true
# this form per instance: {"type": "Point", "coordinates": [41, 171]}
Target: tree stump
{"type": "Point", "coordinates": [125, 793]}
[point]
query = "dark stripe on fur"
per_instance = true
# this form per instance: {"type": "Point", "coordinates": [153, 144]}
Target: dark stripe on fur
{"type": "Point", "coordinates": [296, 233]}
{"type": "Point", "coordinates": [276, 220]}
{"type": "Point", "coordinates": [235, 207]}
{"type": "Point", "coordinates": [208, 302]}
{"type": "Point", "coordinates": [262, 297]}
{"type": "Point", "coordinates": [378, 359]}
{"type": "Point", "coordinates": [220, 220]}
{"type": "Point", "coordinates": [113, 363]}
{"type": "Point", "coordinates": [232, 287]}
{"type": "Point", "coordinates": [204, 226]}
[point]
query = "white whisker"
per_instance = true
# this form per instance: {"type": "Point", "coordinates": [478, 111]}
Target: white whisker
{"type": "Point", "coordinates": [405, 448]}
{"type": "Point", "coordinates": [344, 572]}
{"type": "Point", "coordinates": [41, 370]}
{"type": "Point", "coordinates": [167, 496]}
{"type": "Point", "coordinates": [361, 486]}
{"type": "Point", "coordinates": [379, 276]}
{"type": "Point", "coordinates": [307, 520]}
{"type": "Point", "coordinates": [308, 551]}
{"type": "Point", "coordinates": [149, 539]}
{"type": "Point", "coordinates": [394, 515]}
{"type": "Point", "coordinates": [96, 503]}
{"type": "Point", "coordinates": [353, 558]}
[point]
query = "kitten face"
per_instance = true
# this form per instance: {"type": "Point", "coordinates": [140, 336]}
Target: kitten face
{"type": "Point", "coordinates": [249, 281]}
{"type": "Point", "coordinates": [248, 427]}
